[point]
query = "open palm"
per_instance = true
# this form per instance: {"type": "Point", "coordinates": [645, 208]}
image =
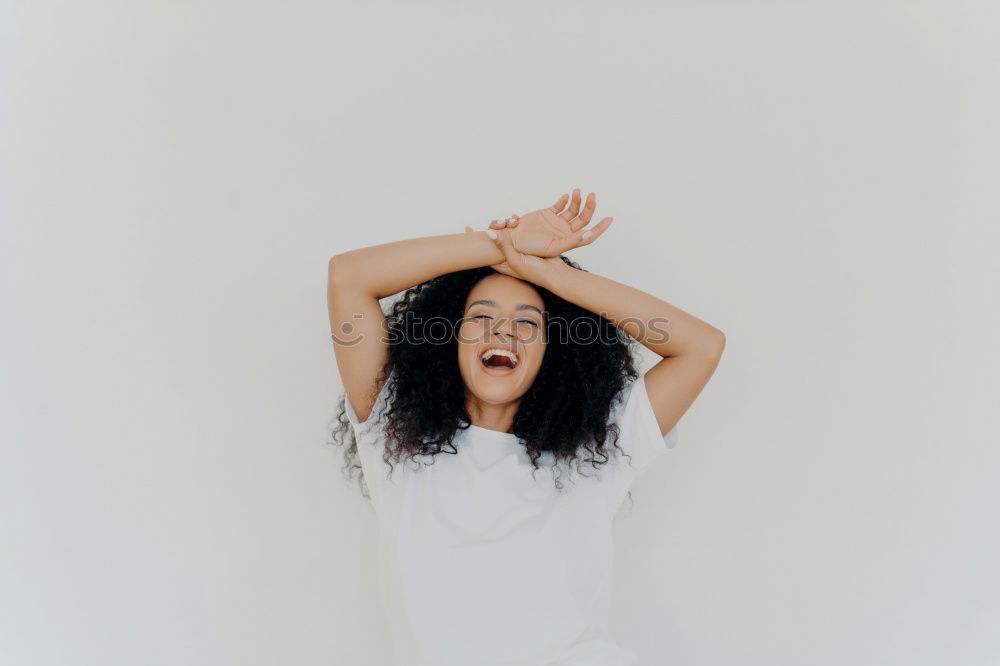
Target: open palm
{"type": "Point", "coordinates": [549, 232]}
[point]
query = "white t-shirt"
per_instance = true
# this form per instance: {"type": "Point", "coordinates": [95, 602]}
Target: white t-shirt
{"type": "Point", "coordinates": [480, 564]}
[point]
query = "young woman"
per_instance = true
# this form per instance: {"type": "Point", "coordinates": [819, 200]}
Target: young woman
{"type": "Point", "coordinates": [501, 359]}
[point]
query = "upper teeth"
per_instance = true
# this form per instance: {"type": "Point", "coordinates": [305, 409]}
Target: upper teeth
{"type": "Point", "coordinates": [489, 353]}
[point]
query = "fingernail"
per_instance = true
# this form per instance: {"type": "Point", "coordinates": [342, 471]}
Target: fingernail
{"type": "Point", "coordinates": [492, 234]}
{"type": "Point", "coordinates": [587, 235]}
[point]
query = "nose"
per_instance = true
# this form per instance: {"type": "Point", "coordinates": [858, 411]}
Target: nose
{"type": "Point", "coordinates": [503, 327]}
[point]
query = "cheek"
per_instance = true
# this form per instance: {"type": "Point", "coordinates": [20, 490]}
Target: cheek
{"type": "Point", "coordinates": [470, 335]}
{"type": "Point", "coordinates": [535, 352]}
{"type": "Point", "coordinates": [466, 351]}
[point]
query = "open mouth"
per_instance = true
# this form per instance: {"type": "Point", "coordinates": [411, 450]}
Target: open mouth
{"type": "Point", "coordinates": [498, 361]}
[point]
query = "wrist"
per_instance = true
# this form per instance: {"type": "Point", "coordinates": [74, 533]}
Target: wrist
{"type": "Point", "coordinates": [496, 254]}
{"type": "Point", "coordinates": [555, 280]}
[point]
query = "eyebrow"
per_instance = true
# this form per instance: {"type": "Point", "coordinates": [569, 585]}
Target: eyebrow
{"type": "Point", "coordinates": [520, 306]}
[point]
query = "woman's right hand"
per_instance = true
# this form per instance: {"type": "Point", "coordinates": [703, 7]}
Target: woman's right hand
{"type": "Point", "coordinates": [551, 229]}
{"type": "Point", "coordinates": [567, 224]}
{"type": "Point", "coordinates": [549, 232]}
{"type": "Point", "coordinates": [542, 271]}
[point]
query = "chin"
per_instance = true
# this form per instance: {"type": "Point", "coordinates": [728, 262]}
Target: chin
{"type": "Point", "coordinates": [492, 393]}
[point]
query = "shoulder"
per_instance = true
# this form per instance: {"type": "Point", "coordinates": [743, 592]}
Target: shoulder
{"type": "Point", "coordinates": [639, 432]}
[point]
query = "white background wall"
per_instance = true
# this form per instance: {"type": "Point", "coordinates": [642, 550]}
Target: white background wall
{"type": "Point", "coordinates": [816, 179]}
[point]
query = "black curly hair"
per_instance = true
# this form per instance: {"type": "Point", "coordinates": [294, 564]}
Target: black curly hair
{"type": "Point", "coordinates": [564, 412]}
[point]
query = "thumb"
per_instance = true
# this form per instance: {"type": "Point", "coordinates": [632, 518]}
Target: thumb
{"type": "Point", "coordinates": [582, 236]}
{"type": "Point", "coordinates": [501, 238]}
{"type": "Point", "coordinates": [569, 242]}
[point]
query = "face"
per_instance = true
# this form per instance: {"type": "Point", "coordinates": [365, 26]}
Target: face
{"type": "Point", "coordinates": [505, 313]}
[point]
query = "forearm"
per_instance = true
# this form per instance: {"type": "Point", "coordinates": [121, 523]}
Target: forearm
{"type": "Point", "coordinates": [383, 270]}
{"type": "Point", "coordinates": [659, 326]}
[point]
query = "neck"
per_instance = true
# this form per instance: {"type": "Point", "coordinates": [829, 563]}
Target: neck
{"type": "Point", "coordinates": [490, 416]}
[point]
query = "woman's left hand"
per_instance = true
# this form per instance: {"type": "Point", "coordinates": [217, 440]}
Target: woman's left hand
{"type": "Point", "coordinates": [504, 267]}
{"type": "Point", "coordinates": [542, 271]}
{"type": "Point", "coordinates": [539, 270]}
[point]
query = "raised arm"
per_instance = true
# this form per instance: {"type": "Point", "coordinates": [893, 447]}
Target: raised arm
{"type": "Point", "coordinates": [691, 348]}
{"type": "Point", "coordinates": [359, 278]}
{"type": "Point", "coordinates": [356, 280]}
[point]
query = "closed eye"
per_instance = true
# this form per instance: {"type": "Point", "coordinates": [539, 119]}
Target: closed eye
{"type": "Point", "coordinates": [519, 321]}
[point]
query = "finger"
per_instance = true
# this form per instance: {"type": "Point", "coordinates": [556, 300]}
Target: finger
{"type": "Point", "coordinates": [559, 205]}
{"type": "Point", "coordinates": [496, 224]}
{"type": "Point", "coordinates": [504, 268]}
{"type": "Point", "coordinates": [583, 219]}
{"type": "Point", "coordinates": [574, 206]}
{"type": "Point", "coordinates": [584, 236]}
{"type": "Point", "coordinates": [502, 241]}
{"type": "Point", "coordinates": [592, 234]}
{"type": "Point", "coordinates": [469, 229]}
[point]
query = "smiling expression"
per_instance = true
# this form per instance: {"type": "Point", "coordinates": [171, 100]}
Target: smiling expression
{"type": "Point", "coordinates": [502, 339]}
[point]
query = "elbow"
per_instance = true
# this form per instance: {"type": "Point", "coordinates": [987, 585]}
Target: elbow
{"type": "Point", "coordinates": [338, 270]}
{"type": "Point", "coordinates": [715, 343]}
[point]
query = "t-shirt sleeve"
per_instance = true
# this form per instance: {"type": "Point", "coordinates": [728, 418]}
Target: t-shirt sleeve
{"type": "Point", "coordinates": [380, 403]}
{"type": "Point", "coordinates": [371, 442]}
{"type": "Point", "coordinates": [639, 438]}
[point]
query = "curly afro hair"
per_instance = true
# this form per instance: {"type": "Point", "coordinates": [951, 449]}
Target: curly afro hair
{"type": "Point", "coordinates": [565, 412]}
